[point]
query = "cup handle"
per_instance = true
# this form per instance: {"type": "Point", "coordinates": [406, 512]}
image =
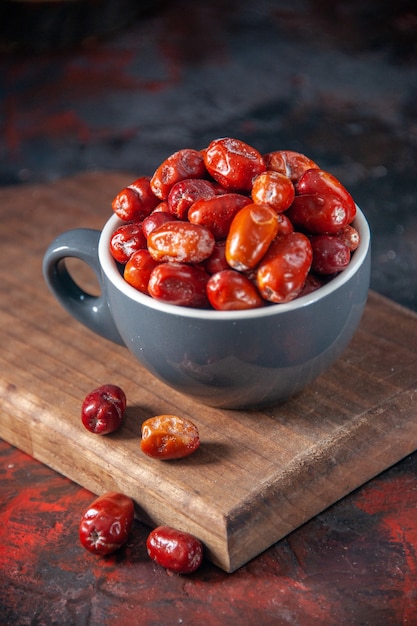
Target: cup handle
{"type": "Point", "coordinates": [92, 311]}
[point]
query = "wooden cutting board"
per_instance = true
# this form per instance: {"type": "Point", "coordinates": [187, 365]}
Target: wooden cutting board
{"type": "Point", "coordinates": [257, 475]}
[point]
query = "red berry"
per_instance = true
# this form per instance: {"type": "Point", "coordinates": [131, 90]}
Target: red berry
{"type": "Point", "coordinates": [217, 213]}
{"type": "Point", "coordinates": [217, 259]}
{"type": "Point", "coordinates": [229, 290]}
{"type": "Point", "coordinates": [186, 163]}
{"type": "Point", "coordinates": [292, 164]}
{"type": "Point", "coordinates": [251, 232]}
{"type": "Point", "coordinates": [181, 241]}
{"type": "Point", "coordinates": [318, 213]}
{"type": "Point", "coordinates": [175, 550]}
{"type": "Point", "coordinates": [330, 254]}
{"type": "Point", "coordinates": [138, 270]}
{"type": "Point", "coordinates": [156, 219]}
{"type": "Point", "coordinates": [106, 524]}
{"type": "Point", "coordinates": [169, 437]}
{"type": "Point", "coordinates": [322, 183]}
{"type": "Point", "coordinates": [274, 189]}
{"type": "Point", "coordinates": [102, 409]}
{"type": "Point", "coordinates": [136, 201]}
{"type": "Point", "coordinates": [281, 274]}
{"type": "Point", "coordinates": [233, 163]}
{"type": "Point", "coordinates": [182, 284]}
{"type": "Point", "coordinates": [126, 240]}
{"type": "Point", "coordinates": [184, 193]}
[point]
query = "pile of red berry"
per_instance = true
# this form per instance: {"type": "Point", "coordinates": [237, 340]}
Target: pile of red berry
{"type": "Point", "coordinates": [107, 523]}
{"type": "Point", "coordinates": [228, 228]}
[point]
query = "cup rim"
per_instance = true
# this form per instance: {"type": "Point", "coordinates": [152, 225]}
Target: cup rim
{"type": "Point", "coordinates": [109, 267]}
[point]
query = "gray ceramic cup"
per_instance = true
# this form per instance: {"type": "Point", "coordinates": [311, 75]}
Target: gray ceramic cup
{"type": "Point", "coordinates": [228, 359]}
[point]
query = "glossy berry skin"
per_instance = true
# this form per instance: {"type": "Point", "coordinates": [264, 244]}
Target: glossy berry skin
{"type": "Point", "coordinates": [168, 437]}
{"type": "Point", "coordinates": [290, 163]}
{"type": "Point", "coordinates": [230, 290]}
{"type": "Point", "coordinates": [138, 270]}
{"type": "Point", "coordinates": [217, 259]}
{"type": "Point", "coordinates": [136, 201]}
{"type": "Point", "coordinates": [274, 189]}
{"type": "Point", "coordinates": [330, 254]}
{"type": "Point", "coordinates": [180, 284]}
{"type": "Point", "coordinates": [126, 240]}
{"type": "Point", "coordinates": [322, 183]}
{"type": "Point", "coordinates": [186, 163]}
{"type": "Point", "coordinates": [350, 236]}
{"type": "Point", "coordinates": [217, 213]}
{"type": "Point", "coordinates": [184, 193]}
{"type": "Point", "coordinates": [282, 273]}
{"type": "Point", "coordinates": [181, 241]}
{"type": "Point", "coordinates": [103, 409]}
{"type": "Point", "coordinates": [175, 550]}
{"type": "Point", "coordinates": [285, 225]}
{"type": "Point", "coordinates": [233, 163]}
{"type": "Point", "coordinates": [250, 235]}
{"type": "Point", "coordinates": [156, 219]}
{"type": "Point", "coordinates": [319, 214]}
{"type": "Point", "coordinates": [106, 524]}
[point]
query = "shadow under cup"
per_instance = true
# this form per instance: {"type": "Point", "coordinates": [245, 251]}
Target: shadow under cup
{"type": "Point", "coordinates": [237, 359]}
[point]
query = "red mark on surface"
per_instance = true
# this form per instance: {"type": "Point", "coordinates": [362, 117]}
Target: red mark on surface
{"type": "Point", "coordinates": [397, 504]}
{"type": "Point", "coordinates": [43, 95]}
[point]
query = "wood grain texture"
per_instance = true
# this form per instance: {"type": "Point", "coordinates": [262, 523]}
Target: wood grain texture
{"type": "Point", "coordinates": [257, 475]}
